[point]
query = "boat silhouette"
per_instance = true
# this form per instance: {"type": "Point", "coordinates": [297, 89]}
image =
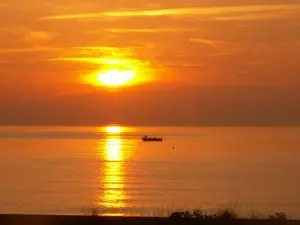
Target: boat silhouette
{"type": "Point", "coordinates": [153, 139]}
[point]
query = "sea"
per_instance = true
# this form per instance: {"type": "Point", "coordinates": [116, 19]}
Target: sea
{"type": "Point", "coordinates": [110, 170]}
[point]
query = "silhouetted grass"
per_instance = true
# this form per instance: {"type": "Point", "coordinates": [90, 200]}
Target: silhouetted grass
{"type": "Point", "coordinates": [92, 210]}
{"type": "Point", "coordinates": [227, 212]}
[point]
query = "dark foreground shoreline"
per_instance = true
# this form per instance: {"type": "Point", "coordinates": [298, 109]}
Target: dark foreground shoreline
{"type": "Point", "coordinates": [90, 220]}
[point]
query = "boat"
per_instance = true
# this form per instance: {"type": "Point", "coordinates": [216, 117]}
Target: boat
{"type": "Point", "coordinates": [146, 138]}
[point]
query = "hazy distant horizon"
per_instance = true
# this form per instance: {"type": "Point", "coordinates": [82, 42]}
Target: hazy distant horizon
{"type": "Point", "coordinates": [141, 125]}
{"type": "Point", "coordinates": [158, 106]}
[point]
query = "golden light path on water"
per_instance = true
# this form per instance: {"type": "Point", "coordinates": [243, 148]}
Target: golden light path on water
{"type": "Point", "coordinates": [113, 182]}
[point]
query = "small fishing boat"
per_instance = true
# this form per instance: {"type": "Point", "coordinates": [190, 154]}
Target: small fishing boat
{"type": "Point", "coordinates": [146, 138]}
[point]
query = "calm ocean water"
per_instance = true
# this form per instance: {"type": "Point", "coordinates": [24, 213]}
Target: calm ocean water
{"type": "Point", "coordinates": [61, 170]}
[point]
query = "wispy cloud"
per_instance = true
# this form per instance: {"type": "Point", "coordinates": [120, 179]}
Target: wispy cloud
{"type": "Point", "coordinates": [259, 16]}
{"type": "Point", "coordinates": [91, 60]}
{"type": "Point", "coordinates": [38, 36]}
{"type": "Point", "coordinates": [25, 50]}
{"type": "Point", "coordinates": [103, 55]}
{"type": "Point", "coordinates": [102, 50]}
{"type": "Point", "coordinates": [26, 36]}
{"type": "Point", "coordinates": [183, 65]}
{"type": "Point", "coordinates": [152, 5]}
{"type": "Point", "coordinates": [108, 61]}
{"type": "Point", "coordinates": [210, 42]}
{"type": "Point", "coordinates": [148, 30]}
{"type": "Point", "coordinates": [178, 12]}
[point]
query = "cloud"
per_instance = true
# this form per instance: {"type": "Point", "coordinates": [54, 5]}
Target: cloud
{"type": "Point", "coordinates": [26, 37]}
{"type": "Point", "coordinates": [220, 47]}
{"type": "Point", "coordinates": [258, 16]}
{"type": "Point", "coordinates": [210, 42]}
{"type": "Point", "coordinates": [148, 30]}
{"type": "Point", "coordinates": [184, 65]}
{"type": "Point", "coordinates": [24, 50]}
{"type": "Point", "coordinates": [109, 62]}
{"type": "Point", "coordinates": [101, 50]}
{"type": "Point", "coordinates": [181, 12]}
{"type": "Point", "coordinates": [152, 5]}
{"type": "Point", "coordinates": [38, 36]}
{"type": "Point", "coordinates": [104, 61]}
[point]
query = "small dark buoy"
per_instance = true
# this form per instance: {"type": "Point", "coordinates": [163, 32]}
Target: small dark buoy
{"type": "Point", "coordinates": [173, 147]}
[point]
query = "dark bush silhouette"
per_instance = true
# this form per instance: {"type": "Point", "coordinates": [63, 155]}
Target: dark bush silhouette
{"type": "Point", "coordinates": [278, 216]}
{"type": "Point", "coordinates": [181, 215]}
{"type": "Point", "coordinates": [227, 214]}
{"type": "Point", "coordinates": [197, 213]}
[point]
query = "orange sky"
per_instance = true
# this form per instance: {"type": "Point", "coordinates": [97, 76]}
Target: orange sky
{"type": "Point", "coordinates": [203, 52]}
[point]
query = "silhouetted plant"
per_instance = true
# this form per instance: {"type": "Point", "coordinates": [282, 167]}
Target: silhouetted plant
{"type": "Point", "coordinates": [92, 210]}
{"type": "Point", "coordinates": [254, 214]}
{"type": "Point", "coordinates": [210, 216]}
{"type": "Point", "coordinates": [227, 214]}
{"type": "Point", "coordinates": [198, 214]}
{"type": "Point", "coordinates": [176, 215]}
{"type": "Point", "coordinates": [278, 216]}
{"type": "Point", "coordinates": [229, 211]}
{"type": "Point", "coordinates": [162, 212]}
{"type": "Point", "coordinates": [187, 214]}
{"type": "Point", "coordinates": [181, 215]}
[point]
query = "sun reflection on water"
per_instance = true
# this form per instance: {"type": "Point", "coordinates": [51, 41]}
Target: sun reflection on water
{"type": "Point", "coordinates": [114, 151]}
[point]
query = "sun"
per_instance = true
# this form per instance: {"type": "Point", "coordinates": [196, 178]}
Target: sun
{"type": "Point", "coordinates": [113, 129]}
{"type": "Point", "coordinates": [116, 78]}
{"type": "Point", "coordinates": [118, 71]}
